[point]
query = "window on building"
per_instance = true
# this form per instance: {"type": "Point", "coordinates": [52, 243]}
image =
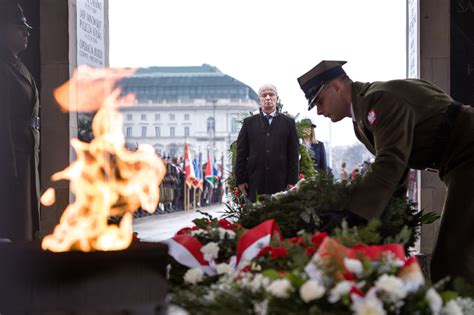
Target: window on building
{"type": "Point", "coordinates": [143, 116]}
{"type": "Point", "coordinates": [171, 116]}
{"type": "Point", "coordinates": [157, 131]}
{"type": "Point", "coordinates": [186, 131]}
{"type": "Point", "coordinates": [186, 116]}
{"type": "Point", "coordinates": [129, 131]}
{"type": "Point", "coordinates": [157, 116]}
{"type": "Point", "coordinates": [211, 124]}
{"type": "Point", "coordinates": [143, 131]}
{"type": "Point", "coordinates": [129, 116]}
{"type": "Point", "coordinates": [172, 132]}
{"type": "Point", "coordinates": [234, 125]}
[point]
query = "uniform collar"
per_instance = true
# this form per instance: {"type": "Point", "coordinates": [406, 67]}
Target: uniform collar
{"type": "Point", "coordinates": [7, 56]}
{"type": "Point", "coordinates": [358, 91]}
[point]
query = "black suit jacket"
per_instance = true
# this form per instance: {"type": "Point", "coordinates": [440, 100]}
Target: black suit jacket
{"type": "Point", "coordinates": [267, 154]}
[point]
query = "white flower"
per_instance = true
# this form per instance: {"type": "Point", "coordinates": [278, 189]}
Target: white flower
{"type": "Point", "coordinates": [224, 269]}
{"type": "Point", "coordinates": [434, 300]}
{"type": "Point", "coordinates": [368, 306]}
{"type": "Point", "coordinates": [194, 276]}
{"type": "Point", "coordinates": [466, 304]}
{"type": "Point", "coordinates": [452, 308]}
{"type": "Point", "coordinates": [392, 286]}
{"type": "Point", "coordinates": [223, 232]}
{"type": "Point", "coordinates": [311, 290]}
{"type": "Point", "coordinates": [210, 251]}
{"type": "Point", "coordinates": [258, 282]}
{"type": "Point", "coordinates": [280, 288]}
{"type": "Point", "coordinates": [353, 265]}
{"type": "Point", "coordinates": [261, 308]}
{"type": "Point", "coordinates": [343, 287]}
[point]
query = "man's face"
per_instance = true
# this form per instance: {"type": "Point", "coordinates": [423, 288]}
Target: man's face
{"type": "Point", "coordinates": [16, 37]}
{"type": "Point", "coordinates": [268, 99]}
{"type": "Point", "coordinates": [331, 104]}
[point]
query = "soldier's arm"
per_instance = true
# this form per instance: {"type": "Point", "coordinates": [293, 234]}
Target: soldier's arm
{"type": "Point", "coordinates": [392, 123]}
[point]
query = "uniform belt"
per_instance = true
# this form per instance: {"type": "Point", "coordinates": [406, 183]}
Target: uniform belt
{"type": "Point", "coordinates": [442, 135]}
{"type": "Point", "coordinates": [35, 123]}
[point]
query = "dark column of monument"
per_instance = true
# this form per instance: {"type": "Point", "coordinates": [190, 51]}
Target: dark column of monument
{"type": "Point", "coordinates": [462, 51]}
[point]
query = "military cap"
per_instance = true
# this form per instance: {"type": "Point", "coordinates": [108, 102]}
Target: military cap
{"type": "Point", "coordinates": [12, 13]}
{"type": "Point", "coordinates": [313, 81]}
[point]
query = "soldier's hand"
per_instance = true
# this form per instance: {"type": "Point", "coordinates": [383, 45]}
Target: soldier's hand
{"type": "Point", "coordinates": [333, 219]}
{"type": "Point", "coordinates": [243, 188]}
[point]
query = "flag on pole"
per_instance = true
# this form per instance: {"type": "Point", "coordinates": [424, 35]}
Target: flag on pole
{"type": "Point", "coordinates": [191, 179]}
{"type": "Point", "coordinates": [198, 173]}
{"type": "Point", "coordinates": [209, 171]}
{"type": "Point", "coordinates": [216, 170]}
{"type": "Point", "coordinates": [188, 168]}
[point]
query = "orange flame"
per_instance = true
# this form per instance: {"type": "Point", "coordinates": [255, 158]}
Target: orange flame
{"type": "Point", "coordinates": [106, 179]}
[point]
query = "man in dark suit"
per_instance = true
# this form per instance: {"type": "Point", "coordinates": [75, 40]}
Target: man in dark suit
{"type": "Point", "coordinates": [406, 124]}
{"type": "Point", "coordinates": [19, 130]}
{"type": "Point", "coordinates": [267, 149]}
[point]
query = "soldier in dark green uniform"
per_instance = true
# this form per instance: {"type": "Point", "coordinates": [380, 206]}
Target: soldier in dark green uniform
{"type": "Point", "coordinates": [406, 124]}
{"type": "Point", "coordinates": [19, 130]}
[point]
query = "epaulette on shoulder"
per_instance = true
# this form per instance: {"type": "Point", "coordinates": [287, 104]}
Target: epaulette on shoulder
{"type": "Point", "coordinates": [256, 112]}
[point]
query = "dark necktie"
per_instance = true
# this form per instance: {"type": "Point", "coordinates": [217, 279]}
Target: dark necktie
{"type": "Point", "coordinates": [269, 117]}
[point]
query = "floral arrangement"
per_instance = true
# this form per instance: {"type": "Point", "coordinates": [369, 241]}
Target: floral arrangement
{"type": "Point", "coordinates": [300, 208]}
{"type": "Point", "coordinates": [257, 271]}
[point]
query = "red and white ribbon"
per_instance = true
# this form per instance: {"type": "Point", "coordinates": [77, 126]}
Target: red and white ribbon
{"type": "Point", "coordinates": [187, 251]}
{"type": "Point", "coordinates": [254, 240]}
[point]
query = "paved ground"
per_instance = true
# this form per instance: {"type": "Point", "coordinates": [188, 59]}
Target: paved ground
{"type": "Point", "coordinates": [156, 228]}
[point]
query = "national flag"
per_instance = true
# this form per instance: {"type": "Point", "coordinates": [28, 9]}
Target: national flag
{"type": "Point", "coordinates": [209, 171]}
{"type": "Point", "coordinates": [191, 179]}
{"type": "Point", "coordinates": [188, 168]}
{"type": "Point", "coordinates": [216, 170]}
{"type": "Point", "coordinates": [198, 173]}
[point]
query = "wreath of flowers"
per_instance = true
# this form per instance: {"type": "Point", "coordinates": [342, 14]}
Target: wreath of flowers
{"type": "Point", "coordinates": [311, 273]}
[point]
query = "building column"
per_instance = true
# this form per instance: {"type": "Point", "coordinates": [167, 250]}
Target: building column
{"type": "Point", "coordinates": [434, 67]}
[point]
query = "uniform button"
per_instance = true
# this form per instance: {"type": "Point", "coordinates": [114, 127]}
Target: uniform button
{"type": "Point", "coordinates": [268, 168]}
{"type": "Point", "coordinates": [268, 134]}
{"type": "Point", "coordinates": [268, 151]}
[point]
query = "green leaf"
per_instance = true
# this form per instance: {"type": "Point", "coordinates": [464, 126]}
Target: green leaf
{"type": "Point", "coordinates": [271, 273]}
{"type": "Point", "coordinates": [430, 217]}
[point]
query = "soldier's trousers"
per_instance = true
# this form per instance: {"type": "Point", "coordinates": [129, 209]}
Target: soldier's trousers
{"type": "Point", "coordinates": [454, 251]}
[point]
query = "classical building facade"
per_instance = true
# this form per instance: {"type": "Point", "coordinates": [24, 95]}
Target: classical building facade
{"type": "Point", "coordinates": [198, 105]}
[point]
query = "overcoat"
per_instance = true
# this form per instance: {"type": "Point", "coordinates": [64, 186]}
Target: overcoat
{"type": "Point", "coordinates": [319, 156]}
{"type": "Point", "coordinates": [409, 124]}
{"type": "Point", "coordinates": [267, 154]}
{"type": "Point", "coordinates": [19, 155]}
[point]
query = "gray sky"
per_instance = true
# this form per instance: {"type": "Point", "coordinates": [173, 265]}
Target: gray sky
{"type": "Point", "coordinates": [265, 41]}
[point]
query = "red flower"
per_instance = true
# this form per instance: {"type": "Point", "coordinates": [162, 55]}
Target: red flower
{"type": "Point", "coordinates": [236, 192]}
{"type": "Point", "coordinates": [356, 291]}
{"type": "Point", "coordinates": [348, 276]}
{"type": "Point", "coordinates": [264, 251]}
{"type": "Point", "coordinates": [278, 252]}
{"type": "Point", "coordinates": [301, 176]}
{"type": "Point", "coordinates": [223, 223]}
{"type": "Point", "coordinates": [318, 238]}
{"type": "Point", "coordinates": [282, 273]}
{"type": "Point", "coordinates": [309, 251]}
{"type": "Point", "coordinates": [297, 240]}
